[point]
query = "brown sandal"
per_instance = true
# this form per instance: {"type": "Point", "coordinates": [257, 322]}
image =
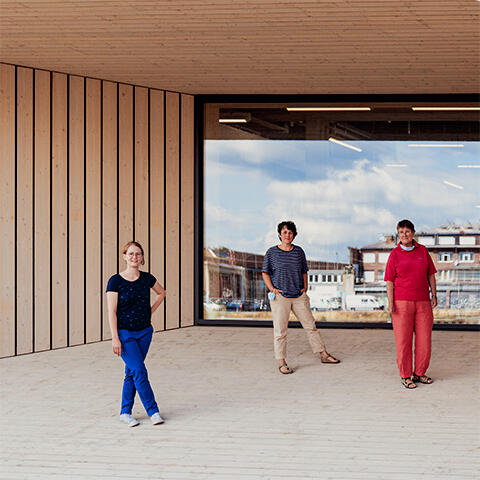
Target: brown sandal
{"type": "Point", "coordinates": [328, 358]}
{"type": "Point", "coordinates": [422, 379]}
{"type": "Point", "coordinates": [287, 367]}
{"type": "Point", "coordinates": [408, 383]}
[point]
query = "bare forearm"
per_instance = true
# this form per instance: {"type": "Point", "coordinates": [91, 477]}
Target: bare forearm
{"type": "Point", "coordinates": [268, 281]}
{"type": "Point", "coordinates": [305, 281]}
{"type": "Point", "coordinates": [433, 285]}
{"type": "Point", "coordinates": [112, 320]}
{"type": "Point", "coordinates": [158, 301]}
{"type": "Point", "coordinates": [390, 293]}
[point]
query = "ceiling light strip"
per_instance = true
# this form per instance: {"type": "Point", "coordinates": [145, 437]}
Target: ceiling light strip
{"type": "Point", "coordinates": [328, 109]}
{"type": "Point", "coordinates": [232, 120]}
{"type": "Point", "coordinates": [436, 145]}
{"type": "Point", "coordinates": [468, 166]}
{"type": "Point", "coordinates": [454, 185]}
{"type": "Point", "coordinates": [444, 109]}
{"type": "Point", "coordinates": [343, 144]}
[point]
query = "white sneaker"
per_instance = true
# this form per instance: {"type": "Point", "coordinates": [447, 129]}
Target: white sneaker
{"type": "Point", "coordinates": [156, 419]}
{"type": "Point", "coordinates": [129, 420]}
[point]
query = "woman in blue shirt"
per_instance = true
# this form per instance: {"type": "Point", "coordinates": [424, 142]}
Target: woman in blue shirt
{"type": "Point", "coordinates": [285, 275]}
{"type": "Point", "coordinates": [129, 315]}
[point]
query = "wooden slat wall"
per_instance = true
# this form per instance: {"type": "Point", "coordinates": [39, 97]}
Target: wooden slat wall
{"type": "Point", "coordinates": [86, 166]}
{"type": "Point", "coordinates": [42, 205]}
{"type": "Point", "coordinates": [109, 189]}
{"type": "Point", "coordinates": [187, 210]}
{"type": "Point", "coordinates": [157, 196]}
{"type": "Point", "coordinates": [7, 210]}
{"type": "Point", "coordinates": [172, 209]}
{"type": "Point", "coordinates": [24, 189]}
{"type": "Point", "coordinates": [76, 233]}
{"type": "Point", "coordinates": [59, 211]}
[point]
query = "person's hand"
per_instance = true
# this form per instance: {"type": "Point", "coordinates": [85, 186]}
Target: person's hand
{"type": "Point", "coordinates": [433, 301]}
{"type": "Point", "coordinates": [391, 308]}
{"type": "Point", "coordinates": [116, 346]}
{"type": "Point", "coordinates": [277, 291]}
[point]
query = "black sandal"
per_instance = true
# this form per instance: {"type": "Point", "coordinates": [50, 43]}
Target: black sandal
{"type": "Point", "coordinates": [422, 379]}
{"type": "Point", "coordinates": [325, 359]}
{"type": "Point", "coordinates": [286, 366]}
{"type": "Point", "coordinates": [408, 383]}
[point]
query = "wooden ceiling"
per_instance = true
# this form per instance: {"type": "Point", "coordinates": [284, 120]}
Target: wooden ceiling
{"type": "Point", "coordinates": [253, 46]}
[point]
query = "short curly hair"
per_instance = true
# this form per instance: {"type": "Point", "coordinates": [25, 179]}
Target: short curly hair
{"type": "Point", "coordinates": [405, 224]}
{"type": "Point", "coordinates": [290, 226]}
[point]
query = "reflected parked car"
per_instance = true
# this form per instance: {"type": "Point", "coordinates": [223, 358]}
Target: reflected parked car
{"type": "Point", "coordinates": [235, 306]}
{"type": "Point", "coordinates": [213, 306]}
{"type": "Point", "coordinates": [362, 303]}
{"type": "Point", "coordinates": [256, 306]}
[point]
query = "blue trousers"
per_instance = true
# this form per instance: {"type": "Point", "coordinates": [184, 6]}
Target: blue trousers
{"type": "Point", "coordinates": [135, 346]}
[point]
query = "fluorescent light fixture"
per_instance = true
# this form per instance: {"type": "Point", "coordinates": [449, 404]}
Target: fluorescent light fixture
{"type": "Point", "coordinates": [445, 109]}
{"type": "Point", "coordinates": [343, 144]}
{"type": "Point", "coordinates": [468, 166]}
{"type": "Point", "coordinates": [328, 109]}
{"type": "Point", "coordinates": [477, 206]}
{"type": "Point", "coordinates": [436, 145]}
{"type": "Point", "coordinates": [232, 120]}
{"type": "Point", "coordinates": [454, 185]}
{"type": "Point", "coordinates": [398, 165]}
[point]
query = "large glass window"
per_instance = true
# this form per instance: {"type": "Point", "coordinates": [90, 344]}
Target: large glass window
{"type": "Point", "coordinates": [345, 178]}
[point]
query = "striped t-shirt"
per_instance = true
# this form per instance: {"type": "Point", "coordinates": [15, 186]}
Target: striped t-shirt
{"type": "Point", "coordinates": [286, 269]}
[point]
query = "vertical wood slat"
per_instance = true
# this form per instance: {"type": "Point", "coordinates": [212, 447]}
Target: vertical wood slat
{"type": "Point", "coordinates": [7, 210]}
{"type": "Point", "coordinates": [157, 198]}
{"type": "Point", "coordinates": [76, 212]}
{"type": "Point", "coordinates": [125, 168]}
{"type": "Point", "coordinates": [141, 167]}
{"type": "Point", "coordinates": [172, 211]}
{"type": "Point", "coordinates": [24, 188]}
{"type": "Point", "coordinates": [93, 310]}
{"type": "Point", "coordinates": [59, 211]}
{"type": "Point", "coordinates": [187, 210]}
{"type": "Point", "coordinates": [109, 176]}
{"type": "Point", "coordinates": [42, 211]}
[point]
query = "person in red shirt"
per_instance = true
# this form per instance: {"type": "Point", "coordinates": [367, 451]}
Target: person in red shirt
{"type": "Point", "coordinates": [410, 276]}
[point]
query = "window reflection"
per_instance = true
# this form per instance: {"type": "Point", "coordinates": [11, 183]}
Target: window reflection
{"type": "Point", "coordinates": [345, 204]}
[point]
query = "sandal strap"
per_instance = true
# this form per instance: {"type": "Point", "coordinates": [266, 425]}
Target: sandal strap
{"type": "Point", "coordinates": [407, 382]}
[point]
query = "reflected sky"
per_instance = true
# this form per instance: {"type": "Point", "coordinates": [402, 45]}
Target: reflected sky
{"type": "Point", "coordinates": [336, 196]}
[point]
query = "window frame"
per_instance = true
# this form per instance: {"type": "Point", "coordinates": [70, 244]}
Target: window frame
{"type": "Point", "coordinates": [200, 102]}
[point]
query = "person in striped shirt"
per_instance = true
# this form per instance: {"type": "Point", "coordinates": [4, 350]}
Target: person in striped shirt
{"type": "Point", "coordinates": [285, 275]}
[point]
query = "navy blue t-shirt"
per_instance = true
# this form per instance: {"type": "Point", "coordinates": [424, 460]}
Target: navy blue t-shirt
{"type": "Point", "coordinates": [286, 269]}
{"type": "Point", "coordinates": [134, 311]}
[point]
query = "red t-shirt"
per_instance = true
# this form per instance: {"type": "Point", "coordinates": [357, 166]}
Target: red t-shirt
{"type": "Point", "coordinates": [409, 272]}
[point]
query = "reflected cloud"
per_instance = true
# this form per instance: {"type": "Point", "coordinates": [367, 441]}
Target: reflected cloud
{"type": "Point", "coordinates": [336, 199]}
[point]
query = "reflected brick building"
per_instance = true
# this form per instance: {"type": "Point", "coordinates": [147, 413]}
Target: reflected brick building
{"type": "Point", "coordinates": [234, 274]}
{"type": "Point", "coordinates": [455, 251]}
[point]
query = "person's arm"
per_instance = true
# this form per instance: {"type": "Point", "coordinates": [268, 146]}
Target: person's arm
{"type": "Point", "coordinates": [161, 294]}
{"type": "Point", "coordinates": [269, 284]}
{"type": "Point", "coordinates": [391, 303]}
{"type": "Point", "coordinates": [112, 301]}
{"type": "Point", "coordinates": [305, 282]}
{"type": "Point", "coordinates": [433, 287]}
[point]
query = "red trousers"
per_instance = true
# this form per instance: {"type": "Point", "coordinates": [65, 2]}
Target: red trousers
{"type": "Point", "coordinates": [408, 317]}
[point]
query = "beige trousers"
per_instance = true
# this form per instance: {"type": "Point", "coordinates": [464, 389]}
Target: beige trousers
{"type": "Point", "coordinates": [300, 306]}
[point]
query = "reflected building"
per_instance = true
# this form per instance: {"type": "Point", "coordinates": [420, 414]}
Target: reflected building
{"type": "Point", "coordinates": [455, 251]}
{"type": "Point", "coordinates": [231, 274]}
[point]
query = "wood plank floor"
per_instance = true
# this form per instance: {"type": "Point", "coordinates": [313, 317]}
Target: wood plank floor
{"type": "Point", "coordinates": [231, 415]}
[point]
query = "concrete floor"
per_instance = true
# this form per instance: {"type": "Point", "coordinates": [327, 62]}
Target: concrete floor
{"type": "Point", "coordinates": [231, 415]}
